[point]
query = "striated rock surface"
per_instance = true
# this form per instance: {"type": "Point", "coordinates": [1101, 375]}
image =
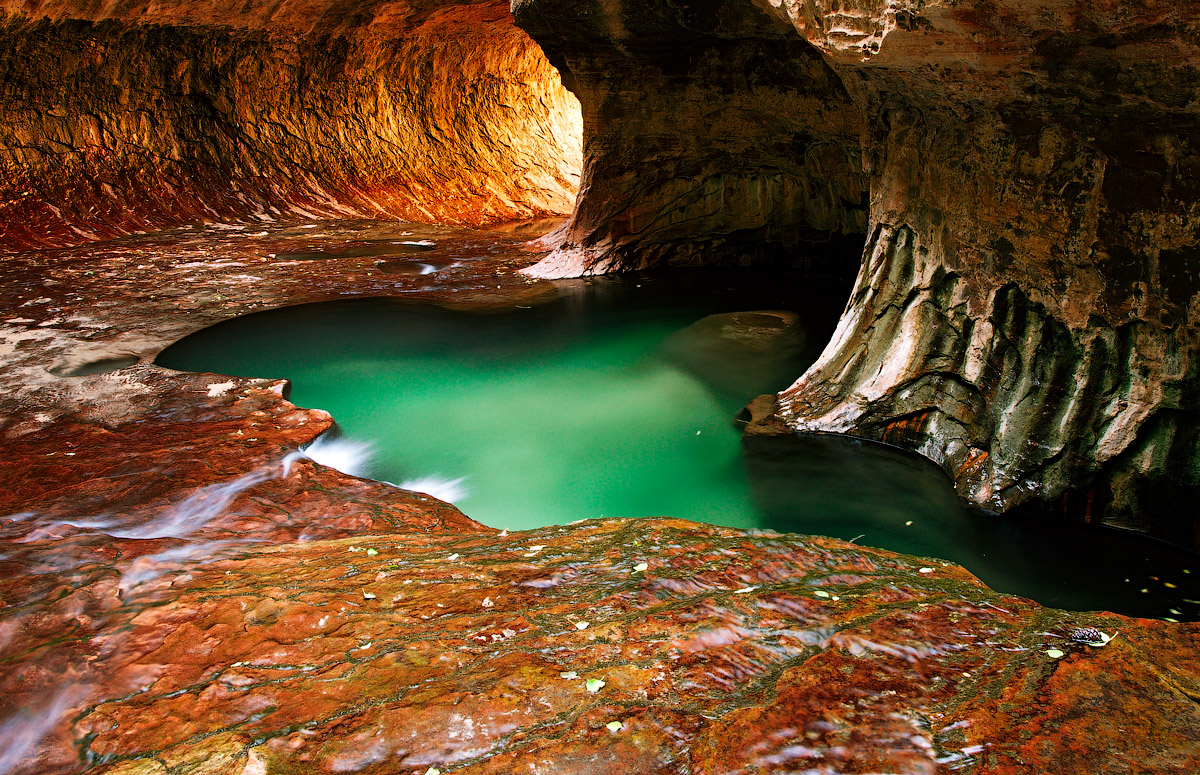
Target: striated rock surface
{"type": "Point", "coordinates": [1027, 310]}
{"type": "Point", "coordinates": [133, 116]}
{"type": "Point", "coordinates": [1026, 315]}
{"type": "Point", "coordinates": [555, 651]}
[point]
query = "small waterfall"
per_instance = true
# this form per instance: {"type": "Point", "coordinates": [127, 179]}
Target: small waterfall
{"type": "Point", "coordinates": [21, 733]}
{"type": "Point", "coordinates": [346, 455]}
{"type": "Point", "coordinates": [440, 487]}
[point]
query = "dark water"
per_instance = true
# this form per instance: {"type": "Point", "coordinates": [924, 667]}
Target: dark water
{"type": "Point", "coordinates": [617, 400]}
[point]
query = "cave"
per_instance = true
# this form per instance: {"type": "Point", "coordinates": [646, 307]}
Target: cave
{"type": "Point", "coordinates": [996, 201]}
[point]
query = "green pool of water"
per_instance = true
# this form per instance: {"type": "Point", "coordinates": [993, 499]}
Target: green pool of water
{"type": "Point", "coordinates": [619, 399]}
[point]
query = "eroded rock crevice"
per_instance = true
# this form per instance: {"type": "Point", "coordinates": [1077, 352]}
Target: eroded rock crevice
{"type": "Point", "coordinates": [713, 135]}
{"type": "Point", "coordinates": [140, 118]}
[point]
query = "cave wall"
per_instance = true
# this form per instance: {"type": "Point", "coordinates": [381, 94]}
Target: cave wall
{"type": "Point", "coordinates": [713, 134]}
{"type": "Point", "coordinates": [1026, 313]}
{"type": "Point", "coordinates": [119, 117]}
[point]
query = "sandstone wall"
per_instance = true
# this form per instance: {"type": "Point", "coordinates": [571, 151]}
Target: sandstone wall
{"type": "Point", "coordinates": [127, 116]}
{"type": "Point", "coordinates": [713, 134]}
{"type": "Point", "coordinates": [1027, 175]}
{"type": "Point", "coordinates": [1027, 310]}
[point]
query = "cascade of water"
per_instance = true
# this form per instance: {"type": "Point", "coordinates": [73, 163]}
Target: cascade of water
{"type": "Point", "coordinates": [346, 455]}
{"type": "Point", "coordinates": [21, 733]}
{"type": "Point", "coordinates": [441, 487]}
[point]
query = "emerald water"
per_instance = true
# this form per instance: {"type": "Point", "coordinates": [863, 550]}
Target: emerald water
{"type": "Point", "coordinates": [618, 399]}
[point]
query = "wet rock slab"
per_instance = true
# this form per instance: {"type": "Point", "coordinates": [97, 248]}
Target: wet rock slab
{"type": "Point", "coordinates": [627, 646]}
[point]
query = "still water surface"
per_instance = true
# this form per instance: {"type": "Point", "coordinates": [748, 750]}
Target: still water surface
{"type": "Point", "coordinates": [618, 399]}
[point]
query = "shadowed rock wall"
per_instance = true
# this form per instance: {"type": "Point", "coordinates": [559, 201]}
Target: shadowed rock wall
{"type": "Point", "coordinates": [135, 116]}
{"type": "Point", "coordinates": [1027, 310]}
{"type": "Point", "coordinates": [713, 135]}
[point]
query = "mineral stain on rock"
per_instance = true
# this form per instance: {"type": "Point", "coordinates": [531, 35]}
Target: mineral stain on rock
{"type": "Point", "coordinates": [83, 368]}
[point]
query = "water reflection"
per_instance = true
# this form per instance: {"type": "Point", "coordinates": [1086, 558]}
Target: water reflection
{"type": "Point", "coordinates": [881, 496]}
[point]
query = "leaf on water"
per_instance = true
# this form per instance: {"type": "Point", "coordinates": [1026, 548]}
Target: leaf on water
{"type": "Point", "coordinates": [581, 625]}
{"type": "Point", "coordinates": [821, 593]}
{"type": "Point", "coordinates": [614, 726]}
{"type": "Point", "coordinates": [570, 675]}
{"type": "Point", "coordinates": [640, 567]}
{"type": "Point", "coordinates": [372, 552]}
{"type": "Point", "coordinates": [1055, 653]}
{"type": "Point", "coordinates": [594, 685]}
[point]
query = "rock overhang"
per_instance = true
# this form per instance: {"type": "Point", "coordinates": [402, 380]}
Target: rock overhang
{"type": "Point", "coordinates": [133, 117]}
{"type": "Point", "coordinates": [1027, 174]}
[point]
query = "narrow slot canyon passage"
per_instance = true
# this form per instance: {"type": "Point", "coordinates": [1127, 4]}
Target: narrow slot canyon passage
{"type": "Point", "coordinates": [145, 118]}
{"type": "Point", "coordinates": [793, 365]}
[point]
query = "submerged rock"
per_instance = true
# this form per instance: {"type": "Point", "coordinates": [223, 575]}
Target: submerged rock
{"type": "Point", "coordinates": [738, 353]}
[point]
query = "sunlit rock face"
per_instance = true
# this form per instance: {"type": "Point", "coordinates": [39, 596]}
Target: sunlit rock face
{"type": "Point", "coordinates": [1026, 314]}
{"type": "Point", "coordinates": [132, 116]}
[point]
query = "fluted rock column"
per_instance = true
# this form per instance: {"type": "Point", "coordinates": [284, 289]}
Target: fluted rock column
{"type": "Point", "coordinates": [1027, 309]}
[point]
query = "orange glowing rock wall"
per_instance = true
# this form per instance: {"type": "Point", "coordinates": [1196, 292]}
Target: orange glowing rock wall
{"type": "Point", "coordinates": [135, 116]}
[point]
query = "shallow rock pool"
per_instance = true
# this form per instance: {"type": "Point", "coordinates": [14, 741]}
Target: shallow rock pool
{"type": "Point", "coordinates": [618, 398]}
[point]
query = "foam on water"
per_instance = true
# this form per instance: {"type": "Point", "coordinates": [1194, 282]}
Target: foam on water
{"type": "Point", "coordinates": [441, 487]}
{"type": "Point", "coordinates": [346, 455]}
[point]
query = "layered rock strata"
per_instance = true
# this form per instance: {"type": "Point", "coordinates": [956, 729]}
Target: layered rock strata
{"type": "Point", "coordinates": [1026, 313]}
{"type": "Point", "coordinates": [631, 646]}
{"type": "Point", "coordinates": [133, 116]}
